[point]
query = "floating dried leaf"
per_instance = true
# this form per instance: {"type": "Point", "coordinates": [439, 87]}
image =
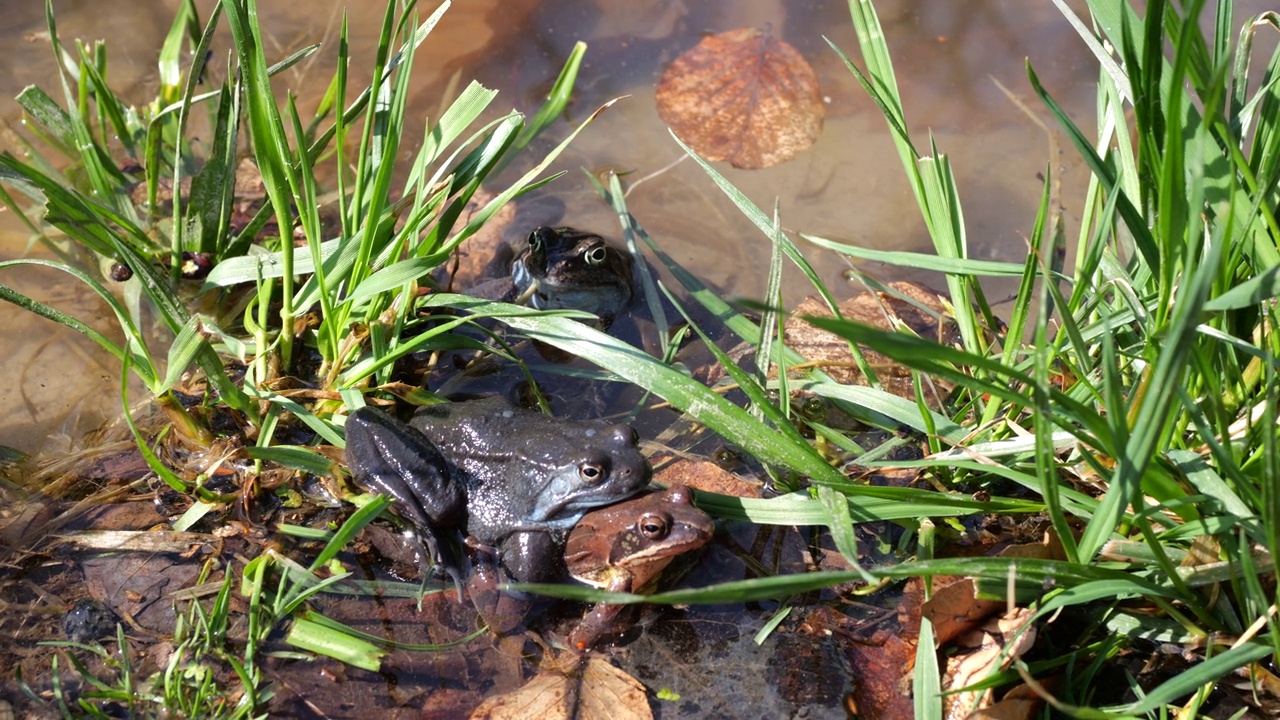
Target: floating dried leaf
{"type": "Point", "coordinates": [742, 96]}
{"type": "Point", "coordinates": [610, 692]}
{"type": "Point", "coordinates": [882, 310]}
{"type": "Point", "coordinates": [706, 476]}
{"type": "Point", "coordinates": [545, 697]}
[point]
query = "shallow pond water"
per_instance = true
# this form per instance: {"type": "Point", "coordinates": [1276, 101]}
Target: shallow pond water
{"type": "Point", "coordinates": [849, 186]}
{"type": "Point", "coordinates": [950, 60]}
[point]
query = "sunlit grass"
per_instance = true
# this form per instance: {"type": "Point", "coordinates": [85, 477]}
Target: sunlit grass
{"type": "Point", "coordinates": [1130, 400]}
{"type": "Point", "coordinates": [365, 281]}
{"type": "Point", "coordinates": [1133, 395]}
{"type": "Point", "coordinates": [1157, 361]}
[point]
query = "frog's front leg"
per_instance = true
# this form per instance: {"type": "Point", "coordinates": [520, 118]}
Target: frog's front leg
{"type": "Point", "coordinates": [602, 620]}
{"type": "Point", "coordinates": [523, 557]}
{"type": "Point", "coordinates": [390, 457]}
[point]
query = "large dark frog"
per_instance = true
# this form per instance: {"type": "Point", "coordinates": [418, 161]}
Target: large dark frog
{"type": "Point", "coordinates": [512, 481]}
{"type": "Point", "coordinates": [625, 547]}
{"type": "Point", "coordinates": [563, 268]}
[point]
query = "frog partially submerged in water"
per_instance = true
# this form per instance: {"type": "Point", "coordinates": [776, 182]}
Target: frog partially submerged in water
{"type": "Point", "coordinates": [625, 547]}
{"type": "Point", "coordinates": [565, 268]}
{"type": "Point", "coordinates": [557, 268]}
{"type": "Point", "coordinates": [512, 481]}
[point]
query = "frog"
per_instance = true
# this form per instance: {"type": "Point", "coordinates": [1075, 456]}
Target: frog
{"type": "Point", "coordinates": [626, 546]}
{"type": "Point", "coordinates": [565, 268]}
{"type": "Point", "coordinates": [554, 268]}
{"type": "Point", "coordinates": [511, 481]}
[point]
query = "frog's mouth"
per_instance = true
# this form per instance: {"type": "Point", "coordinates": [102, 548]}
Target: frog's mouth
{"type": "Point", "coordinates": [566, 507]}
{"type": "Point", "coordinates": [566, 510]}
{"type": "Point", "coordinates": [535, 294]}
{"type": "Point", "coordinates": [521, 275]}
{"type": "Point", "coordinates": [538, 286]}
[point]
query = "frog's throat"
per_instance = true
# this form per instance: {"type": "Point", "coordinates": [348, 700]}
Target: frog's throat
{"type": "Point", "coordinates": [524, 297]}
{"type": "Point", "coordinates": [551, 507]}
{"type": "Point", "coordinates": [521, 277]}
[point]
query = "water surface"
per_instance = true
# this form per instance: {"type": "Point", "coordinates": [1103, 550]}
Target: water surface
{"type": "Point", "coordinates": [948, 57]}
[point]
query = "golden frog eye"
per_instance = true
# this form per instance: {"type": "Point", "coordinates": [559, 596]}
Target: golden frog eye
{"type": "Point", "coordinates": [596, 254]}
{"type": "Point", "coordinates": [538, 239]}
{"type": "Point", "coordinates": [591, 473]}
{"type": "Point", "coordinates": [654, 526]}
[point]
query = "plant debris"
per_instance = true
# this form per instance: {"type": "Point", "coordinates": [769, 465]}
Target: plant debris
{"type": "Point", "coordinates": [595, 690]}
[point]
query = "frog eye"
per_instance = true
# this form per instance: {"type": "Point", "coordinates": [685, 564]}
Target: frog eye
{"type": "Point", "coordinates": [596, 255]}
{"type": "Point", "coordinates": [654, 526]}
{"type": "Point", "coordinates": [591, 473]}
{"type": "Point", "coordinates": [539, 238]}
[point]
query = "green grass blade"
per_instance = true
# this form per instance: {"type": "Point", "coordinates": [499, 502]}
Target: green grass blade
{"type": "Point", "coordinates": [1199, 675]}
{"type": "Point", "coordinates": [1132, 218]}
{"type": "Point", "coordinates": [730, 421]}
{"type": "Point", "coordinates": [936, 263]}
{"type": "Point", "coordinates": [136, 353]}
{"type": "Point", "coordinates": [309, 635]}
{"type": "Point", "coordinates": [557, 99]}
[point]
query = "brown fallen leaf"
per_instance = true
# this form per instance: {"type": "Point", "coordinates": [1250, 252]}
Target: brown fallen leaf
{"type": "Point", "coordinates": [545, 696]}
{"type": "Point", "coordinates": [1020, 703]}
{"type": "Point", "coordinates": [982, 652]}
{"type": "Point", "coordinates": [706, 476]}
{"type": "Point", "coordinates": [594, 690]}
{"type": "Point", "coordinates": [742, 96]}
{"type": "Point", "coordinates": [1050, 548]}
{"type": "Point", "coordinates": [481, 254]}
{"type": "Point", "coordinates": [608, 692]}
{"type": "Point", "coordinates": [881, 310]}
{"type": "Point", "coordinates": [954, 609]}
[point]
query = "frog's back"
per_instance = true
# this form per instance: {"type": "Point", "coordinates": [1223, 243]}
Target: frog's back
{"type": "Point", "coordinates": [471, 427]}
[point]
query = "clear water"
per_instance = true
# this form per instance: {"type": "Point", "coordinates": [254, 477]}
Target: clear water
{"type": "Point", "coordinates": [850, 185]}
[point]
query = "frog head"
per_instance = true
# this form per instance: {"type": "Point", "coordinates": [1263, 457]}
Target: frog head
{"type": "Point", "coordinates": [567, 268]}
{"type": "Point", "coordinates": [624, 547]}
{"type": "Point", "coordinates": [604, 466]}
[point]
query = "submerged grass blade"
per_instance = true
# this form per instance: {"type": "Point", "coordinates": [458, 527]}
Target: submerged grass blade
{"type": "Point", "coordinates": [307, 634]}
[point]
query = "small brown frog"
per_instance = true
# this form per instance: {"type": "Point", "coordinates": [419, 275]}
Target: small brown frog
{"type": "Point", "coordinates": [625, 547]}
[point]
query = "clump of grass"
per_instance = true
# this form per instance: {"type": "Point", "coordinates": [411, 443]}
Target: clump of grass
{"type": "Point", "coordinates": [363, 284]}
{"type": "Point", "coordinates": [1138, 417]}
{"type": "Point", "coordinates": [1142, 410]}
{"type": "Point", "coordinates": [1134, 395]}
{"type": "Point", "coordinates": [204, 675]}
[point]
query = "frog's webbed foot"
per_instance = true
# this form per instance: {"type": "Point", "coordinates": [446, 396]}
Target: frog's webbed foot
{"type": "Point", "coordinates": [520, 557]}
{"type": "Point", "coordinates": [431, 559]}
{"type": "Point", "coordinates": [397, 460]}
{"type": "Point", "coordinates": [502, 612]}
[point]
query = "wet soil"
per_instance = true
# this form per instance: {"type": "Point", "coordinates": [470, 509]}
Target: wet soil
{"type": "Point", "coordinates": [55, 562]}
